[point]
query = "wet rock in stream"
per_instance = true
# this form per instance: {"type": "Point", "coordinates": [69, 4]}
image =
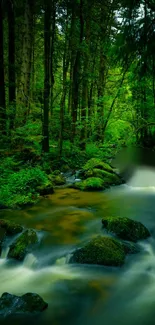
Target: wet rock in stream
{"type": "Point", "coordinates": [10, 228]}
{"type": "Point", "coordinates": [126, 228]}
{"type": "Point", "coordinates": [28, 303]}
{"type": "Point", "coordinates": [20, 247]}
{"type": "Point", "coordinates": [101, 250]}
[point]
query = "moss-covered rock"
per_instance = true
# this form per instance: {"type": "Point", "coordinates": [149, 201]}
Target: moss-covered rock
{"type": "Point", "coordinates": [45, 189]}
{"type": "Point", "coordinates": [2, 237]}
{"type": "Point", "coordinates": [65, 168]}
{"type": "Point", "coordinates": [90, 184]}
{"type": "Point", "coordinates": [101, 250]}
{"type": "Point", "coordinates": [28, 303]}
{"type": "Point", "coordinates": [99, 164]}
{"type": "Point", "coordinates": [108, 178]}
{"type": "Point", "coordinates": [11, 228]}
{"type": "Point", "coordinates": [20, 247]}
{"type": "Point", "coordinates": [126, 228]}
{"type": "Point", "coordinates": [56, 172]}
{"type": "Point", "coordinates": [57, 179]}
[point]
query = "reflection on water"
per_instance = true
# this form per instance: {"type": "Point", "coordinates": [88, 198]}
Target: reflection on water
{"type": "Point", "coordinates": [86, 294]}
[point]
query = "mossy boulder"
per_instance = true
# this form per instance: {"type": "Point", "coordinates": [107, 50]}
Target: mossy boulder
{"type": "Point", "coordinates": [20, 247]}
{"type": "Point", "coordinates": [90, 184]}
{"type": "Point", "coordinates": [28, 303]}
{"type": "Point", "coordinates": [99, 164]}
{"type": "Point", "coordinates": [2, 237]}
{"type": "Point", "coordinates": [56, 172]}
{"type": "Point", "coordinates": [126, 228]}
{"type": "Point", "coordinates": [57, 179]}
{"type": "Point", "coordinates": [11, 228]}
{"type": "Point", "coordinates": [45, 189]}
{"type": "Point", "coordinates": [100, 250]}
{"type": "Point", "coordinates": [108, 178]}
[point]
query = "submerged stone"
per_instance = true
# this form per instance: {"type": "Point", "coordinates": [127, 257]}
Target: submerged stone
{"type": "Point", "coordinates": [126, 228]}
{"type": "Point", "coordinates": [20, 247]}
{"type": "Point", "coordinates": [100, 250]}
{"type": "Point", "coordinates": [11, 228]}
{"type": "Point", "coordinates": [28, 303]}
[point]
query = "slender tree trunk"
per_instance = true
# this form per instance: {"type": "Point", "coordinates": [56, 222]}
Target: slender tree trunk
{"type": "Point", "coordinates": [153, 83]}
{"type": "Point", "coordinates": [66, 59]}
{"type": "Point", "coordinates": [11, 58]}
{"type": "Point", "coordinates": [53, 27]}
{"type": "Point", "coordinates": [23, 94]}
{"type": "Point", "coordinates": [2, 81]}
{"type": "Point", "coordinates": [47, 75]}
{"type": "Point", "coordinates": [76, 72]}
{"type": "Point", "coordinates": [86, 57]}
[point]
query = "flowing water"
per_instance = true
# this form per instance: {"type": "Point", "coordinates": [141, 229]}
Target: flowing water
{"type": "Point", "coordinates": [84, 294]}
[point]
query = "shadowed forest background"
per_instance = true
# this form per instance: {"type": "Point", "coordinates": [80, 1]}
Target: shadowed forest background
{"type": "Point", "coordinates": [77, 80]}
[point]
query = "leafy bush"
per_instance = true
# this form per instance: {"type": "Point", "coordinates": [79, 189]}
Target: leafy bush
{"type": "Point", "coordinates": [21, 187]}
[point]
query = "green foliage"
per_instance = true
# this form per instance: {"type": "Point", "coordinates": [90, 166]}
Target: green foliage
{"type": "Point", "coordinates": [20, 188]}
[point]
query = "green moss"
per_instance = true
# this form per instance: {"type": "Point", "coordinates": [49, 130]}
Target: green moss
{"type": "Point", "coordinates": [57, 179]}
{"type": "Point", "coordinates": [101, 250]}
{"type": "Point", "coordinates": [90, 184]}
{"type": "Point", "coordinates": [99, 164]}
{"type": "Point", "coordinates": [11, 228]}
{"type": "Point", "coordinates": [20, 247]}
{"type": "Point", "coordinates": [56, 172]}
{"type": "Point", "coordinates": [126, 228]}
{"type": "Point", "coordinates": [29, 302]}
{"type": "Point", "coordinates": [109, 178]}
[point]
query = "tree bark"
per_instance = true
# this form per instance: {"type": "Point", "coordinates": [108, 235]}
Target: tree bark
{"type": "Point", "coordinates": [47, 75]}
{"type": "Point", "coordinates": [23, 95]}
{"type": "Point", "coordinates": [11, 58]}
{"type": "Point", "coordinates": [2, 81]}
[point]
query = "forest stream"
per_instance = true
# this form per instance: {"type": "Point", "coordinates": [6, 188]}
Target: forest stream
{"type": "Point", "coordinates": [85, 294]}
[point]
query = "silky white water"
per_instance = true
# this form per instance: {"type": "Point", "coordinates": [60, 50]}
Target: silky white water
{"type": "Point", "coordinates": [80, 293]}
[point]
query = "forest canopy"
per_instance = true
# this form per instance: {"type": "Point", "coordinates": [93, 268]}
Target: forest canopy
{"type": "Point", "coordinates": [77, 80]}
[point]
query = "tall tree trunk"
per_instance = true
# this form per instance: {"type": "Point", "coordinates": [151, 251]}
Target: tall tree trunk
{"type": "Point", "coordinates": [53, 27]}
{"type": "Point", "coordinates": [11, 58]}
{"type": "Point", "coordinates": [86, 57]}
{"type": "Point", "coordinates": [47, 74]}
{"type": "Point", "coordinates": [76, 66]}
{"type": "Point", "coordinates": [23, 94]}
{"type": "Point", "coordinates": [66, 59]}
{"type": "Point", "coordinates": [2, 81]}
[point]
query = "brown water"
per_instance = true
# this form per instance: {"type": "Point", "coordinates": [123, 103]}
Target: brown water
{"type": "Point", "coordinates": [80, 293]}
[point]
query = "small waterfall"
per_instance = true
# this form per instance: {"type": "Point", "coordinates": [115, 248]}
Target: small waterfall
{"type": "Point", "coordinates": [60, 261]}
{"type": "Point", "coordinates": [63, 260]}
{"type": "Point", "coordinates": [5, 251]}
{"type": "Point", "coordinates": [30, 261]}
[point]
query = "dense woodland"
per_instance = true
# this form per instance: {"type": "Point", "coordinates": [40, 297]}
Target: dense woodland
{"type": "Point", "coordinates": [77, 80]}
